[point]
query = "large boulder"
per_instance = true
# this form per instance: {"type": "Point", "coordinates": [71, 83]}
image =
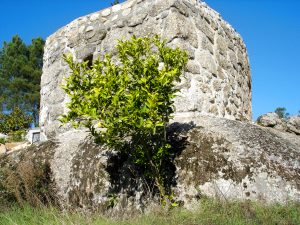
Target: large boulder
{"type": "Point", "coordinates": [293, 124]}
{"type": "Point", "coordinates": [213, 157]}
{"type": "Point", "coordinates": [269, 120]}
{"type": "Point", "coordinates": [236, 160]}
{"type": "Point", "coordinates": [290, 124]}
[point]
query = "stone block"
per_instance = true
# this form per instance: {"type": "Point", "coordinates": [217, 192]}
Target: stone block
{"type": "Point", "coordinates": [202, 25]}
{"type": "Point", "coordinates": [106, 12]}
{"type": "Point", "coordinates": [193, 67]}
{"type": "Point", "coordinates": [137, 19]}
{"type": "Point", "coordinates": [207, 61]}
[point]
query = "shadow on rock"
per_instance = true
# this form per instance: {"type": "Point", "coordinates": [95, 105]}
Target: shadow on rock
{"type": "Point", "coordinates": [128, 179]}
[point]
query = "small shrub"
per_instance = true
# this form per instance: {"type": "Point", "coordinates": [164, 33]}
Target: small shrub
{"type": "Point", "coordinates": [2, 141]}
{"type": "Point", "coordinates": [14, 121]}
{"type": "Point", "coordinates": [128, 105]}
{"type": "Point", "coordinates": [16, 136]}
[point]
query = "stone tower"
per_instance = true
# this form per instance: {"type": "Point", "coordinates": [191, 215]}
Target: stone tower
{"type": "Point", "coordinates": [217, 81]}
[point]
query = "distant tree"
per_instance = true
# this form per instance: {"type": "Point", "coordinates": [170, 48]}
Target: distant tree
{"type": "Point", "coordinates": [281, 112]}
{"type": "Point", "coordinates": [16, 120]}
{"type": "Point", "coordinates": [20, 74]}
{"type": "Point", "coordinates": [115, 2]}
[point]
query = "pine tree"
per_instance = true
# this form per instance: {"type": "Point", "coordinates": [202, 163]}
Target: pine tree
{"type": "Point", "coordinates": [20, 74]}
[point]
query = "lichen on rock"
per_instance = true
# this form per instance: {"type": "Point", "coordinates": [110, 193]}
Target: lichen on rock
{"type": "Point", "coordinates": [214, 157]}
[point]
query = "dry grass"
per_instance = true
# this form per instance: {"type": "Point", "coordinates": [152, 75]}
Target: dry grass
{"type": "Point", "coordinates": [209, 213]}
{"type": "Point", "coordinates": [27, 183]}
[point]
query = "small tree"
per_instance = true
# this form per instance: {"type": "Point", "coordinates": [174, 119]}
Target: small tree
{"type": "Point", "coordinates": [129, 103]}
{"type": "Point", "coordinates": [281, 112]}
{"type": "Point", "coordinates": [115, 2]}
{"type": "Point", "coordinates": [17, 120]}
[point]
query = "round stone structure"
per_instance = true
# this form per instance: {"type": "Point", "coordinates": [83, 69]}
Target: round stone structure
{"type": "Point", "coordinates": [217, 81]}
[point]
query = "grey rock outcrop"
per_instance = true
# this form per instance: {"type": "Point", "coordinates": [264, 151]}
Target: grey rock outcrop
{"type": "Point", "coordinates": [217, 81]}
{"type": "Point", "coordinates": [236, 160]}
{"type": "Point", "coordinates": [213, 157]}
{"type": "Point", "coordinates": [269, 120]}
{"type": "Point", "coordinates": [291, 124]}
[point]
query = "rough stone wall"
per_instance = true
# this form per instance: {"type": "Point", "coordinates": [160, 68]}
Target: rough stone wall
{"type": "Point", "coordinates": [217, 81]}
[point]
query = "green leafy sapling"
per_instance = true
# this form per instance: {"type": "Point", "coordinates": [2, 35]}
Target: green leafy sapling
{"type": "Point", "coordinates": [129, 103]}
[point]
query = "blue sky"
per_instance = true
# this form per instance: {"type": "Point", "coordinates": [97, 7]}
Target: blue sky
{"type": "Point", "coordinates": [270, 29]}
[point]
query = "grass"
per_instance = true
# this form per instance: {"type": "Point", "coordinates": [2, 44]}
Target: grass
{"type": "Point", "coordinates": [210, 213]}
